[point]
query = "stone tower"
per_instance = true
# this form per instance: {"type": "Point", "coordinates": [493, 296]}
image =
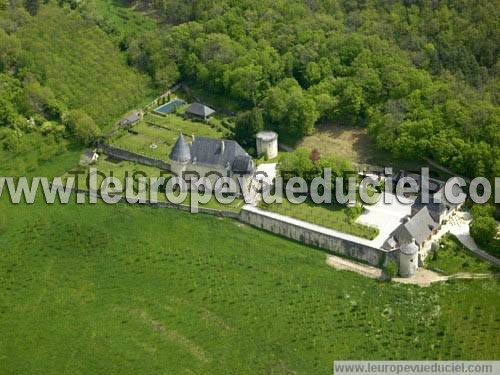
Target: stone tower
{"type": "Point", "coordinates": [408, 259]}
{"type": "Point", "coordinates": [267, 144]}
{"type": "Point", "coordinates": [180, 156]}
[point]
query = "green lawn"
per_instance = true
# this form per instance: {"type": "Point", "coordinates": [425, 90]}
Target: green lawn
{"type": "Point", "coordinates": [329, 216]}
{"type": "Point", "coordinates": [452, 257]}
{"type": "Point", "coordinates": [104, 289]}
{"type": "Point", "coordinates": [112, 167]}
{"type": "Point", "coordinates": [117, 288]}
{"type": "Point", "coordinates": [162, 132]}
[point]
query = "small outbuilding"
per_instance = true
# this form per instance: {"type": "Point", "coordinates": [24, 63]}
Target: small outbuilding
{"type": "Point", "coordinates": [267, 144]}
{"type": "Point", "coordinates": [89, 157]}
{"type": "Point", "coordinates": [131, 119]}
{"type": "Point", "coordinates": [199, 110]}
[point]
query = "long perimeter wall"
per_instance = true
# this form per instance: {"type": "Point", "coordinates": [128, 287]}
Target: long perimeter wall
{"type": "Point", "coordinates": [118, 153]}
{"type": "Point", "coordinates": [302, 233]}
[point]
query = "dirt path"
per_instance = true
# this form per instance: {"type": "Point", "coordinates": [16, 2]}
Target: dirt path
{"type": "Point", "coordinates": [423, 277]}
{"type": "Point", "coordinates": [348, 265]}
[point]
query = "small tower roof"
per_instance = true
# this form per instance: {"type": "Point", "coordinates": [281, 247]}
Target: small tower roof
{"type": "Point", "coordinates": [409, 248]}
{"type": "Point", "coordinates": [180, 152]}
{"type": "Point", "coordinates": [267, 135]}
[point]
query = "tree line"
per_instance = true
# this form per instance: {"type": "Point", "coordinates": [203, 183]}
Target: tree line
{"type": "Point", "coordinates": [62, 81]}
{"type": "Point", "coordinates": [421, 76]}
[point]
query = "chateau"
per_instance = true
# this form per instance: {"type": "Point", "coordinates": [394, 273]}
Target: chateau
{"type": "Point", "coordinates": [212, 158]}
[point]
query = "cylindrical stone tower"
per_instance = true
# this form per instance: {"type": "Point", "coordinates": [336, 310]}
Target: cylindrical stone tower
{"type": "Point", "coordinates": [267, 144]}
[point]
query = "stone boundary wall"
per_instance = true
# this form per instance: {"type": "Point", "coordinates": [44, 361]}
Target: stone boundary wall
{"type": "Point", "coordinates": [181, 207]}
{"type": "Point", "coordinates": [118, 153]}
{"type": "Point", "coordinates": [336, 245]}
{"type": "Point", "coordinates": [203, 210]}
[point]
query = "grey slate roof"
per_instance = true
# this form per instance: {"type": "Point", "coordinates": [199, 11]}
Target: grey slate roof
{"type": "Point", "coordinates": [434, 185]}
{"type": "Point", "coordinates": [456, 190]}
{"type": "Point", "coordinates": [200, 110]}
{"type": "Point", "coordinates": [180, 152]}
{"type": "Point", "coordinates": [435, 209]}
{"type": "Point", "coordinates": [223, 154]}
{"type": "Point", "coordinates": [419, 227]}
{"type": "Point", "coordinates": [131, 119]}
{"type": "Point", "coordinates": [89, 154]}
{"type": "Point", "coordinates": [242, 164]}
{"type": "Point", "coordinates": [409, 248]}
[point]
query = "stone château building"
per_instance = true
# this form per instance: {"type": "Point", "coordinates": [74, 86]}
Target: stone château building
{"type": "Point", "coordinates": [212, 158]}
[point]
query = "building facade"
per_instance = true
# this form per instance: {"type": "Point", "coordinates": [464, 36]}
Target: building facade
{"type": "Point", "coordinates": [212, 159]}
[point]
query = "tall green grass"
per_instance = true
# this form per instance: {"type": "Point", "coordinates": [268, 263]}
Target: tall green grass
{"type": "Point", "coordinates": [104, 289]}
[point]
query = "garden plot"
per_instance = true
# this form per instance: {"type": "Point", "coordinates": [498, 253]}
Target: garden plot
{"type": "Point", "coordinates": [154, 136]}
{"type": "Point", "coordinates": [120, 169]}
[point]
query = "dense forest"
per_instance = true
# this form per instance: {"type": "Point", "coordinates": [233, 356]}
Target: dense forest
{"type": "Point", "coordinates": [62, 80]}
{"type": "Point", "coordinates": [421, 75]}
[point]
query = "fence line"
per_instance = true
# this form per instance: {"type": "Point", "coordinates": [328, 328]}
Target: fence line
{"type": "Point", "coordinates": [121, 154]}
{"type": "Point", "coordinates": [159, 204]}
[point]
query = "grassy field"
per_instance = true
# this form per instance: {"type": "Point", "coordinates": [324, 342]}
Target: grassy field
{"type": "Point", "coordinates": [452, 257]}
{"type": "Point", "coordinates": [354, 144]}
{"type": "Point", "coordinates": [162, 132]}
{"type": "Point", "coordinates": [105, 289]}
{"type": "Point", "coordinates": [116, 168]}
{"type": "Point", "coordinates": [329, 216]}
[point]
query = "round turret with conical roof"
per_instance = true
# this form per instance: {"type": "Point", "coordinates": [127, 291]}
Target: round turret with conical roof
{"type": "Point", "coordinates": [180, 152]}
{"type": "Point", "coordinates": [408, 259]}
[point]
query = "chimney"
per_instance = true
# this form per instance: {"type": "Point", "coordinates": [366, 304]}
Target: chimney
{"type": "Point", "coordinates": [222, 147]}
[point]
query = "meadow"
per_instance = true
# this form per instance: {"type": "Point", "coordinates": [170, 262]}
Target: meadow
{"type": "Point", "coordinates": [107, 289]}
{"type": "Point", "coordinates": [453, 257]}
{"type": "Point", "coordinates": [332, 216]}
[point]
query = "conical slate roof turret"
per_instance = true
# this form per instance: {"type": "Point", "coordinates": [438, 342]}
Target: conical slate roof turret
{"type": "Point", "coordinates": [409, 248]}
{"type": "Point", "coordinates": [181, 152]}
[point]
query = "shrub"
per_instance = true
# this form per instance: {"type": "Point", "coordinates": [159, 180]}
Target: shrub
{"type": "Point", "coordinates": [248, 124]}
{"type": "Point", "coordinates": [81, 126]}
{"type": "Point", "coordinates": [391, 270]}
{"type": "Point", "coordinates": [354, 212]}
{"type": "Point", "coordinates": [482, 210]}
{"type": "Point", "coordinates": [483, 230]}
